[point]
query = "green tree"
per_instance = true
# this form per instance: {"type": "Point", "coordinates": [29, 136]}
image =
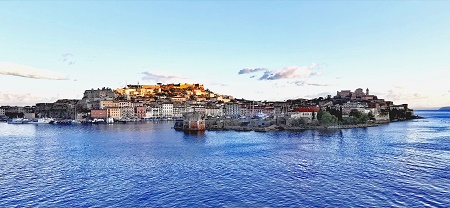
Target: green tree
{"type": "Point", "coordinates": [319, 114]}
{"type": "Point", "coordinates": [327, 119]}
{"type": "Point", "coordinates": [358, 117]}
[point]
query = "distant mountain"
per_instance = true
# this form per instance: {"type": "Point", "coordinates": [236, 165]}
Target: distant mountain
{"type": "Point", "coordinates": [445, 108]}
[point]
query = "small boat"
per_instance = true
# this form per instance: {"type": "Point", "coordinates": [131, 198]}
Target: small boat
{"type": "Point", "coordinates": [178, 124]}
{"type": "Point", "coordinates": [18, 121]}
{"type": "Point", "coordinates": [43, 121]}
{"type": "Point", "coordinates": [98, 121]}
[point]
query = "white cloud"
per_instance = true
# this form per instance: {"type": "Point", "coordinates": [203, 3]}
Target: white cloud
{"type": "Point", "coordinates": [18, 70]}
{"type": "Point", "coordinates": [290, 72]}
{"type": "Point", "coordinates": [22, 99]}
{"type": "Point", "coordinates": [250, 70]}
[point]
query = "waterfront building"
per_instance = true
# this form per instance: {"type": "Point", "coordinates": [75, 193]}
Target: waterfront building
{"type": "Point", "coordinates": [167, 110]}
{"type": "Point", "coordinates": [113, 112]}
{"type": "Point", "coordinates": [244, 110]}
{"type": "Point", "coordinates": [2, 112]}
{"type": "Point", "coordinates": [127, 112]}
{"type": "Point", "coordinates": [99, 113]}
{"type": "Point", "coordinates": [178, 110]}
{"type": "Point", "coordinates": [305, 112]}
{"type": "Point", "coordinates": [14, 109]}
{"type": "Point", "coordinates": [141, 112]}
{"type": "Point", "coordinates": [156, 111]}
{"type": "Point", "coordinates": [213, 111]}
{"type": "Point", "coordinates": [199, 108]}
{"type": "Point", "coordinates": [232, 110]}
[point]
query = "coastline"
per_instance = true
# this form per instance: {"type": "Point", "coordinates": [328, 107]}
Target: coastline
{"type": "Point", "coordinates": [282, 127]}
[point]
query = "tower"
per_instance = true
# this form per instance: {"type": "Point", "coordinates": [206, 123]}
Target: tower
{"type": "Point", "coordinates": [367, 91]}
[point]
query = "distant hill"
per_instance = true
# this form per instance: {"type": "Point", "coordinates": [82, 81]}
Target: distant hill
{"type": "Point", "coordinates": [445, 108]}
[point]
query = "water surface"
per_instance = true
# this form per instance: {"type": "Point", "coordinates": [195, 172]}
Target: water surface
{"type": "Point", "coordinates": [402, 164]}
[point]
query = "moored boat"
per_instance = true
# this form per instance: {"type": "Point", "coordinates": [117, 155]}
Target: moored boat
{"type": "Point", "coordinates": [18, 121]}
{"type": "Point", "coordinates": [178, 124]}
{"type": "Point", "coordinates": [43, 121]}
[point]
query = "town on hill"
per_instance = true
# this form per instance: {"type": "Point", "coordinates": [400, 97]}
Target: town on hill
{"type": "Point", "coordinates": [170, 101]}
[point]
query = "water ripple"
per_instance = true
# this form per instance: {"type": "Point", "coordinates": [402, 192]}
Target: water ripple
{"type": "Point", "coordinates": [402, 164]}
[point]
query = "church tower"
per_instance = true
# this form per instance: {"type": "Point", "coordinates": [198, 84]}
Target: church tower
{"type": "Point", "coordinates": [367, 91]}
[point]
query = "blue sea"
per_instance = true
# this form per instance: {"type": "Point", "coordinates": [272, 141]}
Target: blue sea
{"type": "Point", "coordinates": [402, 164]}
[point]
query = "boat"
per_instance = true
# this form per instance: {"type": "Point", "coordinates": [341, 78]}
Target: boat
{"type": "Point", "coordinates": [43, 121]}
{"type": "Point", "coordinates": [178, 124]}
{"type": "Point", "coordinates": [98, 121]}
{"type": "Point", "coordinates": [18, 121]}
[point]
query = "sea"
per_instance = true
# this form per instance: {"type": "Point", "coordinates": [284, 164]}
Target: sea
{"type": "Point", "coordinates": [401, 164]}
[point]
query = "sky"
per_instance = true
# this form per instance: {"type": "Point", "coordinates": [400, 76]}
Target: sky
{"type": "Point", "coordinates": [259, 50]}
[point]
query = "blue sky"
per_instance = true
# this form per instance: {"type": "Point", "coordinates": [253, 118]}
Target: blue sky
{"type": "Point", "coordinates": [302, 49]}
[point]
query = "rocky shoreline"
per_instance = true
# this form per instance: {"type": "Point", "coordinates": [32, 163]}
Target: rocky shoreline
{"type": "Point", "coordinates": [233, 125]}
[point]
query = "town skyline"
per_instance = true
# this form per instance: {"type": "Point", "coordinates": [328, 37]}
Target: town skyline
{"type": "Point", "coordinates": [270, 50]}
{"type": "Point", "coordinates": [169, 101]}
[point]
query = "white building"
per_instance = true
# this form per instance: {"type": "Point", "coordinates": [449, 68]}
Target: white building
{"type": "Point", "coordinates": [178, 111]}
{"type": "Point", "coordinates": [351, 105]}
{"type": "Point", "coordinates": [296, 115]}
{"type": "Point", "coordinates": [214, 111]}
{"type": "Point", "coordinates": [232, 109]}
{"type": "Point", "coordinates": [156, 112]}
{"type": "Point", "coordinates": [167, 110]}
{"type": "Point", "coordinates": [2, 112]}
{"type": "Point", "coordinates": [199, 108]}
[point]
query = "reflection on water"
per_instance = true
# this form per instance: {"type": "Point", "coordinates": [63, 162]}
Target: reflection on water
{"type": "Point", "coordinates": [194, 136]}
{"type": "Point", "coordinates": [17, 130]}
